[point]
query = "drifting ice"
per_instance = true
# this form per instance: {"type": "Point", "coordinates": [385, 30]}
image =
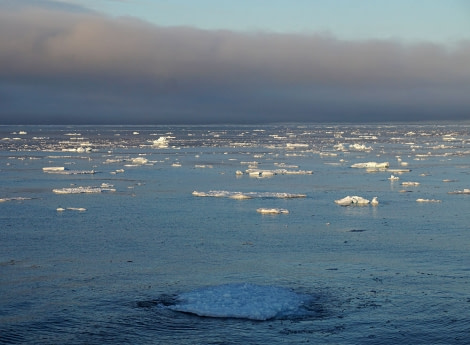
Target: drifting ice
{"type": "Point", "coordinates": [272, 210]}
{"type": "Point", "coordinates": [355, 200]}
{"type": "Point", "coordinates": [161, 143]}
{"type": "Point", "coordinates": [249, 195]}
{"type": "Point", "coordinates": [243, 301]}
{"type": "Point", "coordinates": [79, 190]}
{"type": "Point", "coordinates": [374, 165]}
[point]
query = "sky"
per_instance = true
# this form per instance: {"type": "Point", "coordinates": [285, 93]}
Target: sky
{"type": "Point", "coordinates": [222, 61]}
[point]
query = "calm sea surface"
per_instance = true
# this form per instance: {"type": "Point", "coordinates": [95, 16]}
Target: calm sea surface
{"type": "Point", "coordinates": [166, 242]}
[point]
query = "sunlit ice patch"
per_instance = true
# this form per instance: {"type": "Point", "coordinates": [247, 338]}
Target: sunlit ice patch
{"type": "Point", "coordinates": [245, 301]}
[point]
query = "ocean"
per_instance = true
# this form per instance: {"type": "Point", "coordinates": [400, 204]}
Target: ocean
{"type": "Point", "coordinates": [231, 234]}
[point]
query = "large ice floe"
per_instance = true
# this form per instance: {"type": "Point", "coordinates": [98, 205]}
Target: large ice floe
{"type": "Point", "coordinates": [248, 195]}
{"type": "Point", "coordinates": [356, 200]}
{"type": "Point", "coordinates": [243, 301]}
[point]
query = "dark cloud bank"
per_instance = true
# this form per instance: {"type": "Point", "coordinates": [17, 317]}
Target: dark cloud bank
{"type": "Point", "coordinates": [70, 66]}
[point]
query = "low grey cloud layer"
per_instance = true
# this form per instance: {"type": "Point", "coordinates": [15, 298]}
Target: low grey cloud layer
{"type": "Point", "coordinates": [59, 66]}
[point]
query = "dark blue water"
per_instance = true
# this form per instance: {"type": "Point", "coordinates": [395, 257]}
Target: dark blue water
{"type": "Point", "coordinates": [120, 270]}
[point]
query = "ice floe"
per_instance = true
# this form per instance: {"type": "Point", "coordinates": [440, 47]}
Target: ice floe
{"type": "Point", "coordinates": [373, 165]}
{"type": "Point", "coordinates": [359, 147]}
{"type": "Point", "coordinates": [410, 183]}
{"type": "Point", "coordinates": [18, 198]}
{"type": "Point", "coordinates": [80, 190]}
{"type": "Point", "coordinates": [79, 209]}
{"type": "Point", "coordinates": [464, 191]}
{"type": "Point", "coordinates": [64, 171]}
{"type": "Point", "coordinates": [248, 195]}
{"type": "Point", "coordinates": [244, 301]}
{"type": "Point", "coordinates": [355, 200]}
{"type": "Point", "coordinates": [53, 169]}
{"type": "Point", "coordinates": [139, 161]}
{"type": "Point", "coordinates": [161, 143]}
{"type": "Point", "coordinates": [427, 200]}
{"type": "Point", "coordinates": [252, 172]}
{"type": "Point", "coordinates": [272, 211]}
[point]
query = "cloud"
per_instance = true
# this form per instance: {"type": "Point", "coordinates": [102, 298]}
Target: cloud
{"type": "Point", "coordinates": [78, 66]}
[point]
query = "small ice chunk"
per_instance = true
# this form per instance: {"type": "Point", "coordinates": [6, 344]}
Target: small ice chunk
{"type": "Point", "coordinates": [240, 196]}
{"type": "Point", "coordinates": [352, 200]}
{"type": "Point", "coordinates": [359, 147]}
{"type": "Point", "coordinates": [410, 183]}
{"type": "Point", "coordinates": [53, 169]}
{"type": "Point", "coordinates": [272, 211]}
{"type": "Point", "coordinates": [369, 165]}
{"type": "Point", "coordinates": [161, 143]}
{"type": "Point", "coordinates": [139, 160]}
{"type": "Point", "coordinates": [427, 200]}
{"type": "Point", "coordinates": [464, 191]}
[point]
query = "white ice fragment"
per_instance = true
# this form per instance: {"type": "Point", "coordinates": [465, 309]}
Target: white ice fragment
{"type": "Point", "coordinates": [339, 147]}
{"type": "Point", "coordinates": [398, 171]}
{"type": "Point", "coordinates": [161, 143]}
{"type": "Point", "coordinates": [240, 196]}
{"type": "Point", "coordinates": [359, 147]}
{"type": "Point", "coordinates": [393, 178]}
{"type": "Point", "coordinates": [80, 190]}
{"type": "Point", "coordinates": [427, 200]}
{"type": "Point", "coordinates": [374, 165]}
{"type": "Point", "coordinates": [464, 191]}
{"type": "Point", "coordinates": [272, 210]}
{"type": "Point", "coordinates": [19, 198]}
{"type": "Point", "coordinates": [293, 146]}
{"type": "Point", "coordinates": [352, 200]}
{"type": "Point", "coordinates": [410, 183]}
{"type": "Point", "coordinates": [53, 169]}
{"type": "Point", "coordinates": [139, 160]}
